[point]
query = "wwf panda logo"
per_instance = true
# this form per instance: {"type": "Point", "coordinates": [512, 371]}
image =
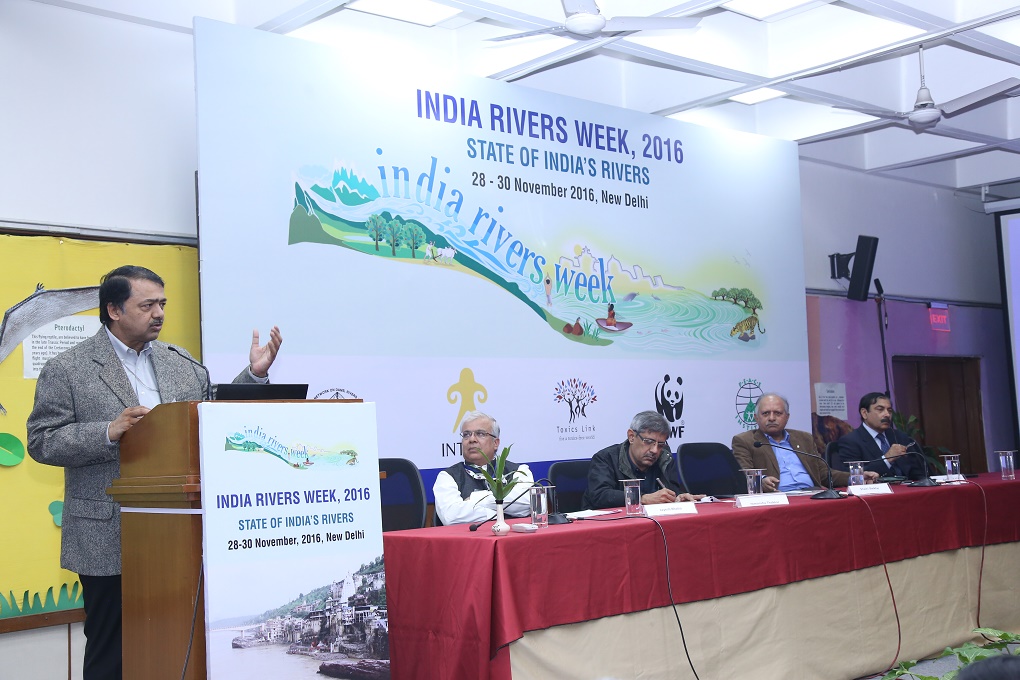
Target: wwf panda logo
{"type": "Point", "coordinates": [669, 398]}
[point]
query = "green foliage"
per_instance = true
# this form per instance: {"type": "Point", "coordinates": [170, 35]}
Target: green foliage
{"type": "Point", "coordinates": [66, 599]}
{"type": "Point", "coordinates": [911, 426]}
{"type": "Point", "coordinates": [903, 669]}
{"type": "Point", "coordinates": [373, 567]}
{"type": "Point", "coordinates": [500, 487]}
{"type": "Point", "coordinates": [56, 509]}
{"type": "Point", "coordinates": [591, 329]}
{"type": "Point", "coordinates": [375, 227]}
{"type": "Point", "coordinates": [414, 237]}
{"type": "Point", "coordinates": [967, 653]}
{"type": "Point", "coordinates": [739, 296]}
{"type": "Point", "coordinates": [12, 451]}
{"type": "Point", "coordinates": [393, 232]}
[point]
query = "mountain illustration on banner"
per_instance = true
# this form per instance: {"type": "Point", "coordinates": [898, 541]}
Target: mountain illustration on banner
{"type": "Point", "coordinates": [298, 455]}
{"type": "Point", "coordinates": [585, 296]}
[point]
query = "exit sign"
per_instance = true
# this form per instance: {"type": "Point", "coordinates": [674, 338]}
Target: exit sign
{"type": "Point", "coordinates": [938, 315]}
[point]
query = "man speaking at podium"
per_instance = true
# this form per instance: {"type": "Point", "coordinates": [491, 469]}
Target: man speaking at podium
{"type": "Point", "coordinates": [86, 398]}
{"type": "Point", "coordinates": [785, 455]}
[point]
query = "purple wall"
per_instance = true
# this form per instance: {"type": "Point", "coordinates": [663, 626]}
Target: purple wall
{"type": "Point", "coordinates": [844, 345]}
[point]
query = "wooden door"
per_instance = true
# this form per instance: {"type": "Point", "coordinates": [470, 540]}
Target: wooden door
{"type": "Point", "coordinates": [945, 395]}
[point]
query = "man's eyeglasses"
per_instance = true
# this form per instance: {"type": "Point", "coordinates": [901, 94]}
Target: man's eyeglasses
{"type": "Point", "coordinates": [479, 434]}
{"type": "Point", "coordinates": [651, 442]}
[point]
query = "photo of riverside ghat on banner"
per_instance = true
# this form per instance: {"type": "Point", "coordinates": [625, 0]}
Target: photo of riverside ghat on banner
{"type": "Point", "coordinates": [295, 578]}
{"type": "Point", "coordinates": [413, 225]}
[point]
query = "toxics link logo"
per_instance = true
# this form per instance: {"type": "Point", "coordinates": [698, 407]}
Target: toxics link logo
{"type": "Point", "coordinates": [577, 395]}
{"type": "Point", "coordinates": [748, 393]}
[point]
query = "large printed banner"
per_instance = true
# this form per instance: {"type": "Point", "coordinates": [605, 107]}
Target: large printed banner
{"type": "Point", "coordinates": [437, 243]}
{"type": "Point", "coordinates": [292, 537]}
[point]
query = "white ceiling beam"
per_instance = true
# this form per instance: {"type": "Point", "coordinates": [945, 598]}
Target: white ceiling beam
{"type": "Point", "coordinates": [978, 42]}
{"type": "Point", "coordinates": [857, 59]}
{"type": "Point", "coordinates": [300, 15]}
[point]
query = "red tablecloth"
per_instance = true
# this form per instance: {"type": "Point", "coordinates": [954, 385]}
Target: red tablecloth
{"type": "Point", "coordinates": [456, 599]}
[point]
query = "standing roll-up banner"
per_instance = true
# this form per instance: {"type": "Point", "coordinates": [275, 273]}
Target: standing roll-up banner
{"type": "Point", "coordinates": [292, 533]}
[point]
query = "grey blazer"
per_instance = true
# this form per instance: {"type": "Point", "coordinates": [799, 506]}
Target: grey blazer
{"type": "Point", "coordinates": [79, 392]}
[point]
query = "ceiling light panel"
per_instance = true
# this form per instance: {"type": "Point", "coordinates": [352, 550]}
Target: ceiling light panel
{"type": "Point", "coordinates": [762, 94]}
{"type": "Point", "coordinates": [772, 10]}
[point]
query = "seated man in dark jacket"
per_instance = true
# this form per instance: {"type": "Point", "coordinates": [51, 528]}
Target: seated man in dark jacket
{"type": "Point", "coordinates": [645, 456]}
{"type": "Point", "coordinates": [875, 441]}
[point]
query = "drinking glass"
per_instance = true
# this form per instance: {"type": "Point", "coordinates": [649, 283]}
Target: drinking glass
{"type": "Point", "coordinates": [1006, 461]}
{"type": "Point", "coordinates": [953, 473]}
{"type": "Point", "coordinates": [539, 506]}
{"type": "Point", "coordinates": [856, 472]}
{"type": "Point", "coordinates": [754, 478]}
{"type": "Point", "coordinates": [632, 496]}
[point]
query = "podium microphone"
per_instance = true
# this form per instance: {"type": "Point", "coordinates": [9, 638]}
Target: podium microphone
{"type": "Point", "coordinates": [474, 527]}
{"type": "Point", "coordinates": [825, 495]}
{"type": "Point", "coordinates": [208, 380]}
{"type": "Point", "coordinates": [925, 480]}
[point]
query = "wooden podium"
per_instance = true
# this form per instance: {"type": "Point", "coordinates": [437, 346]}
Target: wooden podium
{"type": "Point", "coordinates": [159, 492]}
{"type": "Point", "coordinates": [161, 544]}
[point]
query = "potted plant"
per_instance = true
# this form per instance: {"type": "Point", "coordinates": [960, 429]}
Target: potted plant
{"type": "Point", "coordinates": [500, 487]}
{"type": "Point", "coordinates": [911, 426]}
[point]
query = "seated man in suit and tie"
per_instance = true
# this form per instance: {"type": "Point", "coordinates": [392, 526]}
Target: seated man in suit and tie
{"type": "Point", "coordinates": [783, 453]}
{"type": "Point", "coordinates": [877, 442]}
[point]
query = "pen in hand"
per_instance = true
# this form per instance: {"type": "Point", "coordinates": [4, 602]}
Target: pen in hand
{"type": "Point", "coordinates": [663, 486]}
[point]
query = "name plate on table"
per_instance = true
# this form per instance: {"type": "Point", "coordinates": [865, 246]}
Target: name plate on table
{"type": "Point", "coordinates": [869, 489]}
{"type": "Point", "coordinates": [757, 500]}
{"type": "Point", "coordinates": [663, 509]}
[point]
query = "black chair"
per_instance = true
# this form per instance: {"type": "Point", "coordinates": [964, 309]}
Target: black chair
{"type": "Point", "coordinates": [831, 451]}
{"type": "Point", "coordinates": [570, 477]}
{"type": "Point", "coordinates": [710, 468]}
{"type": "Point", "coordinates": [402, 495]}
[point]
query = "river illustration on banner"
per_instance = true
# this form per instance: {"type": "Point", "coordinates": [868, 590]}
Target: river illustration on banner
{"type": "Point", "coordinates": [587, 295]}
{"type": "Point", "coordinates": [298, 455]}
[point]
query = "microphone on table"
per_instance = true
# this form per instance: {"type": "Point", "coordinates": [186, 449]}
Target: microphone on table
{"type": "Point", "coordinates": [552, 504]}
{"type": "Point", "coordinates": [208, 380]}
{"type": "Point", "coordinates": [925, 480]}
{"type": "Point", "coordinates": [827, 494]}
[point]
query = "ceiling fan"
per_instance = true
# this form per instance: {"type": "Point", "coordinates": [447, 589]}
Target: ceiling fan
{"type": "Point", "coordinates": [926, 113]}
{"type": "Point", "coordinates": [584, 20]}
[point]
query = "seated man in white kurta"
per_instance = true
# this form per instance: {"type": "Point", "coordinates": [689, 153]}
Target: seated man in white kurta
{"type": "Point", "coordinates": [462, 494]}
